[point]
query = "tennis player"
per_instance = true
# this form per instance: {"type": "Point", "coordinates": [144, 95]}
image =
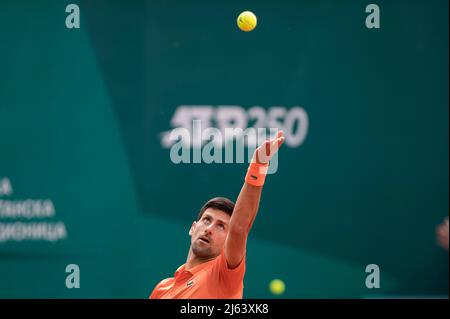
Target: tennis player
{"type": "Point", "coordinates": [215, 264]}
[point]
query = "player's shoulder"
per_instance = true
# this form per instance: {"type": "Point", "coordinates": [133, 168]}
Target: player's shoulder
{"type": "Point", "coordinates": [160, 287]}
{"type": "Point", "coordinates": [163, 284]}
{"type": "Point", "coordinates": [166, 281]}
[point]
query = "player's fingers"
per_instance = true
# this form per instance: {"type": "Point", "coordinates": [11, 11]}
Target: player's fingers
{"type": "Point", "coordinates": [277, 142]}
{"type": "Point", "coordinates": [279, 134]}
{"type": "Point", "coordinates": [275, 145]}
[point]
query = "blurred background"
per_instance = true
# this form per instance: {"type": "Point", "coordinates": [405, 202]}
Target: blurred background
{"type": "Point", "coordinates": [86, 176]}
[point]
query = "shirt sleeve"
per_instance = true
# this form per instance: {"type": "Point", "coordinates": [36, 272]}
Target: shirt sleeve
{"type": "Point", "coordinates": [230, 280]}
{"type": "Point", "coordinates": [154, 292]}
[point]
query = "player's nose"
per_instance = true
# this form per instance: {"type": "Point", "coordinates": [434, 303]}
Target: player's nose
{"type": "Point", "coordinates": [209, 230]}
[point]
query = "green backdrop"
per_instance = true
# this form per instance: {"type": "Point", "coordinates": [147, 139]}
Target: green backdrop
{"type": "Point", "coordinates": [82, 113]}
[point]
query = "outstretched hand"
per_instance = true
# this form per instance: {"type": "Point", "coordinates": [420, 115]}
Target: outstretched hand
{"type": "Point", "coordinates": [266, 150]}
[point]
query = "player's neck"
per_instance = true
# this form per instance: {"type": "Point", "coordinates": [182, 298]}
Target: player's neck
{"type": "Point", "coordinates": [193, 260]}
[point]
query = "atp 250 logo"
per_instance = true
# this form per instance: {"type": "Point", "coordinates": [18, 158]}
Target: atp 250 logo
{"type": "Point", "coordinates": [237, 120]}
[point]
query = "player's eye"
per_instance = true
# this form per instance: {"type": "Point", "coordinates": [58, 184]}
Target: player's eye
{"type": "Point", "coordinates": [221, 226]}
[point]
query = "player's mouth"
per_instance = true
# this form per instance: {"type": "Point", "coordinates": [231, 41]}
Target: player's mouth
{"type": "Point", "coordinates": [204, 239]}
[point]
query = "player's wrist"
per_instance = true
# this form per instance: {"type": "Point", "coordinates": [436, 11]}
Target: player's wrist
{"type": "Point", "coordinates": [256, 173]}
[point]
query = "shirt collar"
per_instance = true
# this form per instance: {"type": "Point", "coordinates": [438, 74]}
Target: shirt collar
{"type": "Point", "coordinates": [193, 270]}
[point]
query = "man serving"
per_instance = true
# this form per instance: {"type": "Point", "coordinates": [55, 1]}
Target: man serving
{"type": "Point", "coordinates": [215, 264]}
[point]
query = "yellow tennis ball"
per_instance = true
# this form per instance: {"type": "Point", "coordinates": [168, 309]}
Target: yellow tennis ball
{"type": "Point", "coordinates": [246, 21]}
{"type": "Point", "coordinates": [277, 286]}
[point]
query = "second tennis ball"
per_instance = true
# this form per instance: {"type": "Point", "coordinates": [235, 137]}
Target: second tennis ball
{"type": "Point", "coordinates": [277, 286]}
{"type": "Point", "coordinates": [246, 21]}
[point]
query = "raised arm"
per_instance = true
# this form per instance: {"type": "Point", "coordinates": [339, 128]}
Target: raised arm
{"type": "Point", "coordinates": [247, 203]}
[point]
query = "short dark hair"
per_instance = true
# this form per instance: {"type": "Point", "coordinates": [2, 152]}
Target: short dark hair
{"type": "Point", "coordinates": [220, 203]}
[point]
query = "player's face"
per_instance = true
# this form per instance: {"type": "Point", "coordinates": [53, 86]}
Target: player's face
{"type": "Point", "coordinates": [209, 233]}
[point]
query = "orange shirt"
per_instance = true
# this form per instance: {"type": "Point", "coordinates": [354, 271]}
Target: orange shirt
{"type": "Point", "coordinates": [210, 280]}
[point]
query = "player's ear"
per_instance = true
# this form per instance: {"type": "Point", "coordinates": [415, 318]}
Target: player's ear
{"type": "Point", "coordinates": [192, 228]}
